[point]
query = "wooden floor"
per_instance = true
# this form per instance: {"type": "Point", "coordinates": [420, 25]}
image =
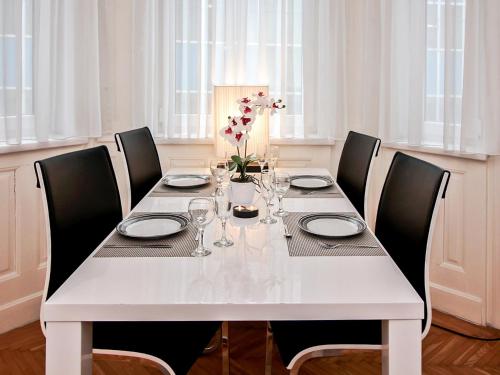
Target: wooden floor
{"type": "Point", "coordinates": [22, 351]}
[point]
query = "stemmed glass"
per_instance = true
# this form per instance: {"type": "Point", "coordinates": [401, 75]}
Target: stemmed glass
{"type": "Point", "coordinates": [273, 156]}
{"type": "Point", "coordinates": [281, 186]}
{"type": "Point", "coordinates": [267, 191]}
{"type": "Point", "coordinates": [262, 159]}
{"type": "Point", "coordinates": [223, 211]}
{"type": "Point", "coordinates": [219, 169]}
{"type": "Point", "coordinates": [201, 212]}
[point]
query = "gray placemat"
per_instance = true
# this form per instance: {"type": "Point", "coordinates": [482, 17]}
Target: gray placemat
{"type": "Point", "coordinates": [303, 244]}
{"type": "Point", "coordinates": [329, 192]}
{"type": "Point", "coordinates": [182, 243]}
{"type": "Point", "coordinates": [161, 190]}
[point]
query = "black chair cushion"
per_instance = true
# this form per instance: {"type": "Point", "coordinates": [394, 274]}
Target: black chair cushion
{"type": "Point", "coordinates": [143, 163]}
{"type": "Point", "coordinates": [404, 215]}
{"type": "Point", "coordinates": [354, 166]}
{"type": "Point", "coordinates": [84, 207]}
{"type": "Point", "coordinates": [293, 336]}
{"type": "Point", "coordinates": [179, 344]}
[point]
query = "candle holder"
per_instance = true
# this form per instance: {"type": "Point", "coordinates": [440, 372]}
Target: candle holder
{"type": "Point", "coordinates": [245, 212]}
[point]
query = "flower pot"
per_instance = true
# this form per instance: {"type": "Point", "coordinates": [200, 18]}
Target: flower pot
{"type": "Point", "coordinates": [242, 192]}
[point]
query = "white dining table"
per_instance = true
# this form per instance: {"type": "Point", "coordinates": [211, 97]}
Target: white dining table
{"type": "Point", "coordinates": [254, 280]}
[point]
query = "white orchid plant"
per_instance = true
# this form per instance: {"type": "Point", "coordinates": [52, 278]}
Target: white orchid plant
{"type": "Point", "coordinates": [238, 128]}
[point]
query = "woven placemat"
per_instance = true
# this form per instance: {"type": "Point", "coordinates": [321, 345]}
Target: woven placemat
{"type": "Point", "coordinates": [329, 192]}
{"type": "Point", "coordinates": [182, 244]}
{"type": "Point", "coordinates": [162, 190]}
{"type": "Point", "coordinates": [303, 244]}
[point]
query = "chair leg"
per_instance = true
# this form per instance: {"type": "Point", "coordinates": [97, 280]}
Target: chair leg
{"type": "Point", "coordinates": [225, 348]}
{"type": "Point", "coordinates": [316, 354]}
{"type": "Point", "coordinates": [269, 350]}
{"type": "Point", "coordinates": [214, 343]}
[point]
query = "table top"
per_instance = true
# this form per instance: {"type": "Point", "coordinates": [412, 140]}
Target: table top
{"type": "Point", "coordinates": [255, 279]}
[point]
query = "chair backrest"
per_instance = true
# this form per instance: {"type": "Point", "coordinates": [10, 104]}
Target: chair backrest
{"type": "Point", "coordinates": [355, 167]}
{"type": "Point", "coordinates": [406, 217]}
{"type": "Point", "coordinates": [142, 162]}
{"type": "Point", "coordinates": [82, 206]}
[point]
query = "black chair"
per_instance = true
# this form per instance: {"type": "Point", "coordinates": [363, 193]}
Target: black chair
{"type": "Point", "coordinates": [82, 206]}
{"type": "Point", "coordinates": [141, 160]}
{"type": "Point", "coordinates": [355, 166]}
{"type": "Point", "coordinates": [405, 220]}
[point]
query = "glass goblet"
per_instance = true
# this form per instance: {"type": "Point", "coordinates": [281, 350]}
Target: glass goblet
{"type": "Point", "coordinates": [223, 207]}
{"type": "Point", "coordinates": [267, 191]}
{"type": "Point", "coordinates": [262, 159]}
{"type": "Point", "coordinates": [281, 186]}
{"type": "Point", "coordinates": [201, 213]}
{"type": "Point", "coordinates": [219, 169]}
{"type": "Point", "coordinates": [273, 156]}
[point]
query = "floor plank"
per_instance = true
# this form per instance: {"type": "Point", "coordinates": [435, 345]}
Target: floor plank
{"type": "Point", "coordinates": [22, 351]}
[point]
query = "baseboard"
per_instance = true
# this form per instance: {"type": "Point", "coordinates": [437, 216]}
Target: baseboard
{"type": "Point", "coordinates": [458, 303]}
{"type": "Point", "coordinates": [20, 312]}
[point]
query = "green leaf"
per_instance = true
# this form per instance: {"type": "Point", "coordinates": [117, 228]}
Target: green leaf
{"type": "Point", "coordinates": [236, 159]}
{"type": "Point", "coordinates": [232, 165]}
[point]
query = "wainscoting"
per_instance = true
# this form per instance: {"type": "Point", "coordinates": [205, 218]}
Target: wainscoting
{"type": "Point", "coordinates": [465, 267]}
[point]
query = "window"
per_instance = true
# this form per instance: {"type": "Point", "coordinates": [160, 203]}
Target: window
{"type": "Point", "coordinates": [225, 42]}
{"type": "Point", "coordinates": [444, 71]}
{"type": "Point", "coordinates": [16, 76]}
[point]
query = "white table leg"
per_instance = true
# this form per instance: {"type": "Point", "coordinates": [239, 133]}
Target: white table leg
{"type": "Point", "coordinates": [402, 347]}
{"type": "Point", "coordinates": [69, 348]}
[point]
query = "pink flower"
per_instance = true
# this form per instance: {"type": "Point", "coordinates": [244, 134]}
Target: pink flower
{"type": "Point", "coordinates": [244, 100]}
{"type": "Point", "coordinates": [237, 129]}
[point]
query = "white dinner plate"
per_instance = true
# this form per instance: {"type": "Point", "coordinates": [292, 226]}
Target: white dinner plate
{"type": "Point", "coordinates": [186, 181]}
{"type": "Point", "coordinates": [151, 226]}
{"type": "Point", "coordinates": [311, 182]}
{"type": "Point", "coordinates": [332, 225]}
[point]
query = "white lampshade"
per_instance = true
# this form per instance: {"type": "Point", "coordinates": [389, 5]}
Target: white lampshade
{"type": "Point", "coordinates": [225, 105]}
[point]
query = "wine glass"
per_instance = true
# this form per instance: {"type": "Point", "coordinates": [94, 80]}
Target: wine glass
{"type": "Point", "coordinates": [281, 186]}
{"type": "Point", "coordinates": [273, 156]}
{"type": "Point", "coordinates": [201, 212]}
{"type": "Point", "coordinates": [262, 160]}
{"type": "Point", "coordinates": [219, 169]}
{"type": "Point", "coordinates": [267, 191]}
{"type": "Point", "coordinates": [223, 210]}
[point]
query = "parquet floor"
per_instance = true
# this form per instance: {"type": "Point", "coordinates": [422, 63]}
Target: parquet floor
{"type": "Point", "coordinates": [22, 351]}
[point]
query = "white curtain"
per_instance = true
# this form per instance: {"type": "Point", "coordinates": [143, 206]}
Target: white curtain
{"type": "Point", "coordinates": [182, 47]}
{"type": "Point", "coordinates": [66, 69]}
{"type": "Point", "coordinates": [16, 120]}
{"type": "Point", "coordinates": [402, 83]}
{"type": "Point", "coordinates": [481, 98]}
{"type": "Point", "coordinates": [405, 66]}
{"type": "Point", "coordinates": [49, 70]}
{"type": "Point", "coordinates": [324, 69]}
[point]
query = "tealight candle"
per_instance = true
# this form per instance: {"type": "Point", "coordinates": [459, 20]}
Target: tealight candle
{"type": "Point", "coordinates": [245, 212]}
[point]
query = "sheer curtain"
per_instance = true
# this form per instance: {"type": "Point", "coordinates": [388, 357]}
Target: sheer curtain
{"type": "Point", "coordinates": [49, 70]}
{"type": "Point", "coordinates": [66, 69]}
{"type": "Point", "coordinates": [408, 59]}
{"type": "Point", "coordinates": [16, 110]}
{"type": "Point", "coordinates": [324, 69]}
{"type": "Point", "coordinates": [182, 48]}
{"type": "Point", "coordinates": [403, 35]}
{"type": "Point", "coordinates": [481, 98]}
